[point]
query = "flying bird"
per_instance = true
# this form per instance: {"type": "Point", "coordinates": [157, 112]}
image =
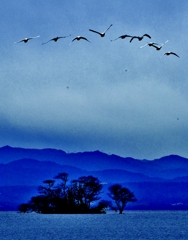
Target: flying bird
{"type": "Point", "coordinates": [122, 37]}
{"type": "Point", "coordinates": [101, 34]}
{"type": "Point", "coordinates": [25, 40]}
{"type": "Point", "coordinates": [159, 47]}
{"type": "Point", "coordinates": [140, 38]}
{"type": "Point", "coordinates": [150, 44]}
{"type": "Point", "coordinates": [170, 53]}
{"type": "Point", "coordinates": [78, 38]}
{"type": "Point", "coordinates": [56, 39]}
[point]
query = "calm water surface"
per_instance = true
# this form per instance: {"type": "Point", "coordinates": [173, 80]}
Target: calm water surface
{"type": "Point", "coordinates": [130, 225]}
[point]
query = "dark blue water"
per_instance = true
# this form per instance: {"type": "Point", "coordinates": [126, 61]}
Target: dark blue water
{"type": "Point", "coordinates": [130, 225]}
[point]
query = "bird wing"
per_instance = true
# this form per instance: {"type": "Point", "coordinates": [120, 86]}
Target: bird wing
{"type": "Point", "coordinates": [144, 45]}
{"type": "Point", "coordinates": [74, 39]}
{"type": "Point", "coordinates": [156, 47]}
{"type": "Point", "coordinates": [164, 43]}
{"type": "Point", "coordinates": [34, 37]}
{"type": "Point", "coordinates": [64, 36]}
{"type": "Point", "coordinates": [127, 36]}
{"type": "Point", "coordinates": [153, 43]}
{"type": "Point", "coordinates": [163, 55]}
{"type": "Point", "coordinates": [57, 38]}
{"type": "Point", "coordinates": [118, 37]}
{"type": "Point", "coordinates": [47, 41]}
{"type": "Point", "coordinates": [122, 36]}
{"type": "Point", "coordinates": [95, 31]}
{"type": "Point", "coordinates": [67, 36]}
{"type": "Point", "coordinates": [146, 35]}
{"type": "Point", "coordinates": [174, 54]}
{"type": "Point", "coordinates": [108, 28]}
{"type": "Point", "coordinates": [20, 41]}
{"type": "Point", "coordinates": [114, 39]}
{"type": "Point", "coordinates": [133, 38]}
{"type": "Point", "coordinates": [84, 39]}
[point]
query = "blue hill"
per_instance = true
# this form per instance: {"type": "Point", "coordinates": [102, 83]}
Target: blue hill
{"type": "Point", "coordinates": [159, 183]}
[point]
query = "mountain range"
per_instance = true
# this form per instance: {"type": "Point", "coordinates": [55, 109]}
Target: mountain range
{"type": "Point", "coordinates": [157, 184]}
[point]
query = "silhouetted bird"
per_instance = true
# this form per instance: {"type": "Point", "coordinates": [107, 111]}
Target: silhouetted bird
{"type": "Point", "coordinates": [159, 47]}
{"type": "Point", "coordinates": [101, 34]}
{"type": "Point", "coordinates": [78, 38]}
{"type": "Point", "coordinates": [170, 53]}
{"type": "Point", "coordinates": [150, 44]}
{"type": "Point", "coordinates": [25, 40]}
{"type": "Point", "coordinates": [122, 37]}
{"type": "Point", "coordinates": [140, 38]}
{"type": "Point", "coordinates": [56, 39]}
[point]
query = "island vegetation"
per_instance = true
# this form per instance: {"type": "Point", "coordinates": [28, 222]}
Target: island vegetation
{"type": "Point", "coordinates": [79, 196]}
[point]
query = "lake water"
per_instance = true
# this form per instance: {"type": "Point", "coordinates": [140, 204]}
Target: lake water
{"type": "Point", "coordinates": [130, 225]}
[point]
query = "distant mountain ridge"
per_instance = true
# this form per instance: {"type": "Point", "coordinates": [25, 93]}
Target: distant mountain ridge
{"type": "Point", "coordinates": [159, 182]}
{"type": "Point", "coordinates": [98, 161]}
{"type": "Point", "coordinates": [32, 172]}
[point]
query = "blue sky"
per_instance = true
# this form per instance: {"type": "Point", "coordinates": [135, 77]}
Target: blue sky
{"type": "Point", "coordinates": [111, 96]}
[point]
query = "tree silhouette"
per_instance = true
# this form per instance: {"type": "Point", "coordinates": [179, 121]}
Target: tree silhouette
{"type": "Point", "coordinates": [62, 186]}
{"type": "Point", "coordinates": [121, 195]}
{"type": "Point", "coordinates": [24, 207]}
{"type": "Point", "coordinates": [85, 190]}
{"type": "Point", "coordinates": [77, 197]}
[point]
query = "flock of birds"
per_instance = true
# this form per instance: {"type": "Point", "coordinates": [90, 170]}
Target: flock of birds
{"type": "Point", "coordinates": [102, 34]}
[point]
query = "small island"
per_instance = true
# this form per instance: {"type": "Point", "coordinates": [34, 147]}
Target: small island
{"type": "Point", "coordinates": [81, 196]}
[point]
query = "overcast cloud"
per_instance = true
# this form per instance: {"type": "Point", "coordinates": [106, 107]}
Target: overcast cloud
{"type": "Point", "coordinates": [111, 96]}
